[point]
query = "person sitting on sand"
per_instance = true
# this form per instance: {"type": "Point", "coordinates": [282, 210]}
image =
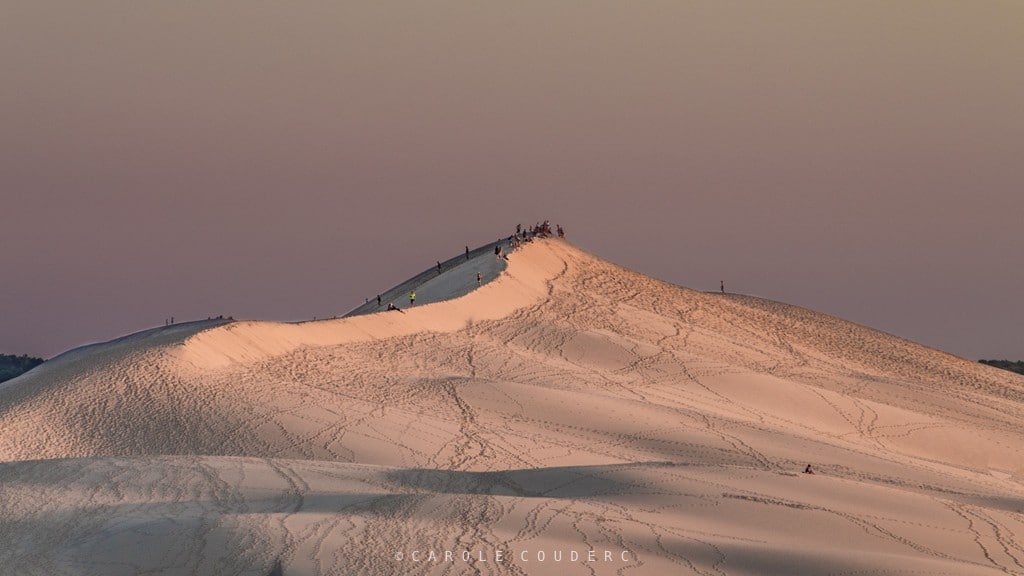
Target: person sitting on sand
{"type": "Point", "coordinates": [808, 470]}
{"type": "Point", "coordinates": [391, 306]}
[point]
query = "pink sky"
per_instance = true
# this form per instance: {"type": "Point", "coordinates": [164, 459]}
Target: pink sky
{"type": "Point", "coordinates": [286, 160]}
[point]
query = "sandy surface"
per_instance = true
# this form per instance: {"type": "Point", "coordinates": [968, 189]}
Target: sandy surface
{"type": "Point", "coordinates": [569, 417]}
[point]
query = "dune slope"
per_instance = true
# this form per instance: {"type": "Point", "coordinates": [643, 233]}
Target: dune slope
{"type": "Point", "coordinates": [570, 416]}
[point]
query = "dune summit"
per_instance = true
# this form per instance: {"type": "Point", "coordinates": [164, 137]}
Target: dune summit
{"type": "Point", "coordinates": [568, 417]}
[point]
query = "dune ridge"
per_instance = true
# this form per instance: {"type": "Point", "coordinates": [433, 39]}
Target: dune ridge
{"type": "Point", "coordinates": [570, 406]}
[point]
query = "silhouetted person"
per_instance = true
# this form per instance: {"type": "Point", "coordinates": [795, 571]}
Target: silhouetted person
{"type": "Point", "coordinates": [378, 299]}
{"type": "Point", "coordinates": [722, 286]}
{"type": "Point", "coordinates": [808, 470]}
{"type": "Point", "coordinates": [467, 252]}
{"type": "Point", "coordinates": [497, 252]}
{"type": "Point", "coordinates": [479, 278]}
{"type": "Point", "coordinates": [391, 306]}
{"type": "Point", "coordinates": [438, 266]}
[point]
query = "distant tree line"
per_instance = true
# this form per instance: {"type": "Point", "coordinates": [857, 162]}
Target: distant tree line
{"type": "Point", "coordinates": [1017, 366]}
{"type": "Point", "coordinates": [11, 366]}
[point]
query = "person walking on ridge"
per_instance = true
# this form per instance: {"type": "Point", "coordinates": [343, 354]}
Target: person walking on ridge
{"type": "Point", "coordinates": [412, 298]}
{"type": "Point", "coordinates": [479, 278]}
{"type": "Point", "coordinates": [723, 286]}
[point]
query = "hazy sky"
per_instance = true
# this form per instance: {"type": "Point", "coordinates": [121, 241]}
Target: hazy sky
{"type": "Point", "coordinates": [284, 160]}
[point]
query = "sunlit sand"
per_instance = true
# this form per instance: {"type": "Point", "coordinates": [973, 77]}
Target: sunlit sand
{"type": "Point", "coordinates": [568, 417]}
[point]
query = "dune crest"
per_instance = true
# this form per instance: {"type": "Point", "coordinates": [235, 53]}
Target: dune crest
{"type": "Point", "coordinates": [524, 284]}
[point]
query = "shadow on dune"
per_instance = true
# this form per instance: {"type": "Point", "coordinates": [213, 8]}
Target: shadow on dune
{"type": "Point", "coordinates": [80, 362]}
{"type": "Point", "coordinates": [556, 482]}
{"type": "Point", "coordinates": [218, 512]}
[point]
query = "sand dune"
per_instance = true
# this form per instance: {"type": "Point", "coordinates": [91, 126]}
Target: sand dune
{"type": "Point", "coordinates": [569, 417]}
